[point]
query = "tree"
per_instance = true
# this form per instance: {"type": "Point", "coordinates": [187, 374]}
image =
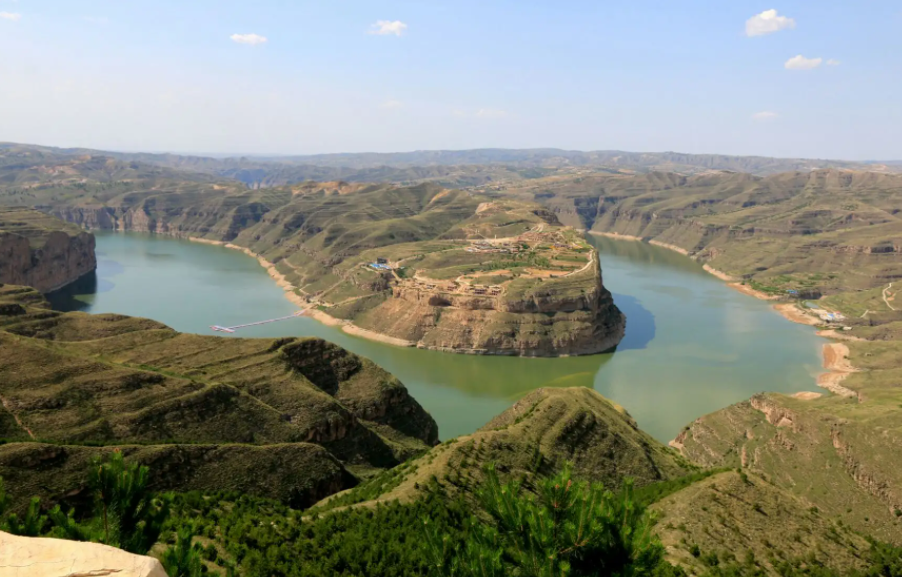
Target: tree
{"type": "Point", "coordinates": [31, 525]}
{"type": "Point", "coordinates": [182, 560]}
{"type": "Point", "coordinates": [131, 517]}
{"type": "Point", "coordinates": [567, 529]}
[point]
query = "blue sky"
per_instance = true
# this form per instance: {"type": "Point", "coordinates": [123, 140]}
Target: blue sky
{"type": "Point", "coordinates": [198, 76]}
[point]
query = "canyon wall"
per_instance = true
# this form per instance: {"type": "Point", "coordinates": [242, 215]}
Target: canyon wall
{"type": "Point", "coordinates": [39, 251]}
{"type": "Point", "coordinates": [574, 315]}
{"type": "Point", "coordinates": [561, 317]}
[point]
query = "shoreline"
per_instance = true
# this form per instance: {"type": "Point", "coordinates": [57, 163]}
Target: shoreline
{"type": "Point", "coordinates": [307, 308]}
{"type": "Point", "coordinates": [835, 355]}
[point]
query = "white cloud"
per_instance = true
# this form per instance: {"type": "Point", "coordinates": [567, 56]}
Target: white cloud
{"type": "Point", "coordinates": [801, 63]}
{"type": "Point", "coordinates": [767, 22]}
{"type": "Point", "coordinates": [833, 62]}
{"type": "Point", "coordinates": [10, 16]}
{"type": "Point", "coordinates": [764, 115]}
{"type": "Point", "coordinates": [385, 27]}
{"type": "Point", "coordinates": [252, 39]}
{"type": "Point", "coordinates": [391, 104]}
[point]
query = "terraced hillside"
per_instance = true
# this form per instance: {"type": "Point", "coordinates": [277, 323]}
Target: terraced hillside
{"type": "Point", "coordinates": [411, 265]}
{"type": "Point", "coordinates": [42, 251]}
{"type": "Point", "coordinates": [831, 237]}
{"type": "Point", "coordinates": [706, 517]}
{"type": "Point", "coordinates": [209, 410]}
{"type": "Point", "coordinates": [828, 229]}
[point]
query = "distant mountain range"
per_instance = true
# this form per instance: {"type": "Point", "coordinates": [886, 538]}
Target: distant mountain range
{"type": "Point", "coordinates": [455, 168]}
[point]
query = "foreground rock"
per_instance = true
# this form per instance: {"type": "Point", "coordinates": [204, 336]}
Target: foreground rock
{"type": "Point", "coordinates": [42, 251]}
{"type": "Point", "coordinates": [34, 557]}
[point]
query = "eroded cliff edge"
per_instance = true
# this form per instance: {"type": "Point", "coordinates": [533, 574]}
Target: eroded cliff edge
{"type": "Point", "coordinates": [417, 266]}
{"type": "Point", "coordinates": [41, 251]}
{"type": "Point", "coordinates": [571, 315]}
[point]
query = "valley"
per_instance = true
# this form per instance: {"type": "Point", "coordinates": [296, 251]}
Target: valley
{"type": "Point", "coordinates": [771, 484]}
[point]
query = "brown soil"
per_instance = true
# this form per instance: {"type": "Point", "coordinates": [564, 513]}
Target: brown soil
{"type": "Point", "coordinates": [836, 360]}
{"type": "Point", "coordinates": [807, 396]}
{"type": "Point", "coordinates": [797, 315]}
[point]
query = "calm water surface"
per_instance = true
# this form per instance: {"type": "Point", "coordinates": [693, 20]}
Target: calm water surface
{"type": "Point", "coordinates": [692, 344]}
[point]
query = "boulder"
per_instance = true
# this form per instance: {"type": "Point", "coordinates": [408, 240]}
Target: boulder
{"type": "Point", "coordinates": [40, 557]}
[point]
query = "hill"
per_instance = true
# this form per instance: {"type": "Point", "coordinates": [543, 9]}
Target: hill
{"type": "Point", "coordinates": [451, 168]}
{"type": "Point", "coordinates": [42, 251]}
{"type": "Point", "coordinates": [828, 230]}
{"type": "Point", "coordinates": [111, 380]}
{"type": "Point", "coordinates": [419, 266]}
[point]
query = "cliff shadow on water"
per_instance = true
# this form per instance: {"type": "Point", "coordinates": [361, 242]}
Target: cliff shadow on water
{"type": "Point", "coordinates": [640, 324]}
{"type": "Point", "coordinates": [79, 296]}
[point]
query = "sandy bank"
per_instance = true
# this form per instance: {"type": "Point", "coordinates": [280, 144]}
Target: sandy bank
{"type": "Point", "coordinates": [280, 279]}
{"type": "Point", "coordinates": [616, 235]}
{"type": "Point", "coordinates": [836, 360]}
{"type": "Point", "coordinates": [806, 395]}
{"type": "Point", "coordinates": [672, 247]}
{"type": "Point", "coordinates": [797, 315]}
{"type": "Point", "coordinates": [313, 313]}
{"type": "Point", "coordinates": [732, 282]}
{"type": "Point", "coordinates": [353, 329]}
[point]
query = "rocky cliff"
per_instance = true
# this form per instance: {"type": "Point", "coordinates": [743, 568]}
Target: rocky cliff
{"type": "Point", "coordinates": [40, 251]}
{"type": "Point", "coordinates": [569, 316]}
{"type": "Point", "coordinates": [317, 244]}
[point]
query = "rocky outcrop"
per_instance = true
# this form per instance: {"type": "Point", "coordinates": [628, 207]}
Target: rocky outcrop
{"type": "Point", "coordinates": [39, 251]}
{"type": "Point", "coordinates": [573, 315]}
{"type": "Point", "coordinates": [38, 557]}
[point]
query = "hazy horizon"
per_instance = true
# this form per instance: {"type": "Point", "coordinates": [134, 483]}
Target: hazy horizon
{"type": "Point", "coordinates": [790, 80]}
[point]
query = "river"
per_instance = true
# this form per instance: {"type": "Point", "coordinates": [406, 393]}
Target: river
{"type": "Point", "coordinates": [692, 344]}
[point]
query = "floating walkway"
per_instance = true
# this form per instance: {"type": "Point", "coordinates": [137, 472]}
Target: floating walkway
{"type": "Point", "coordinates": [236, 327]}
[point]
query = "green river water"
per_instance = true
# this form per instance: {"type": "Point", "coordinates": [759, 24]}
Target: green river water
{"type": "Point", "coordinates": [692, 344]}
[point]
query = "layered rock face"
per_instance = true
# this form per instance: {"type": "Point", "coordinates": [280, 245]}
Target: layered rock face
{"type": "Point", "coordinates": [572, 316]}
{"type": "Point", "coordinates": [40, 251]}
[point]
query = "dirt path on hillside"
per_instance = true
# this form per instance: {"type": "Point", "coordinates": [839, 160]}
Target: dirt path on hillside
{"type": "Point", "coordinates": [886, 300]}
{"type": "Point", "coordinates": [6, 405]}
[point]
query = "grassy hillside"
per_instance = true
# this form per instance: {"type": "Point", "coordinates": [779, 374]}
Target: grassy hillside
{"type": "Point", "coordinates": [538, 287]}
{"type": "Point", "coordinates": [113, 380]}
{"type": "Point", "coordinates": [828, 230]}
{"type": "Point", "coordinates": [536, 436]}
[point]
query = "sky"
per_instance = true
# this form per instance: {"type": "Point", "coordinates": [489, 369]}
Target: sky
{"type": "Point", "coordinates": [814, 79]}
